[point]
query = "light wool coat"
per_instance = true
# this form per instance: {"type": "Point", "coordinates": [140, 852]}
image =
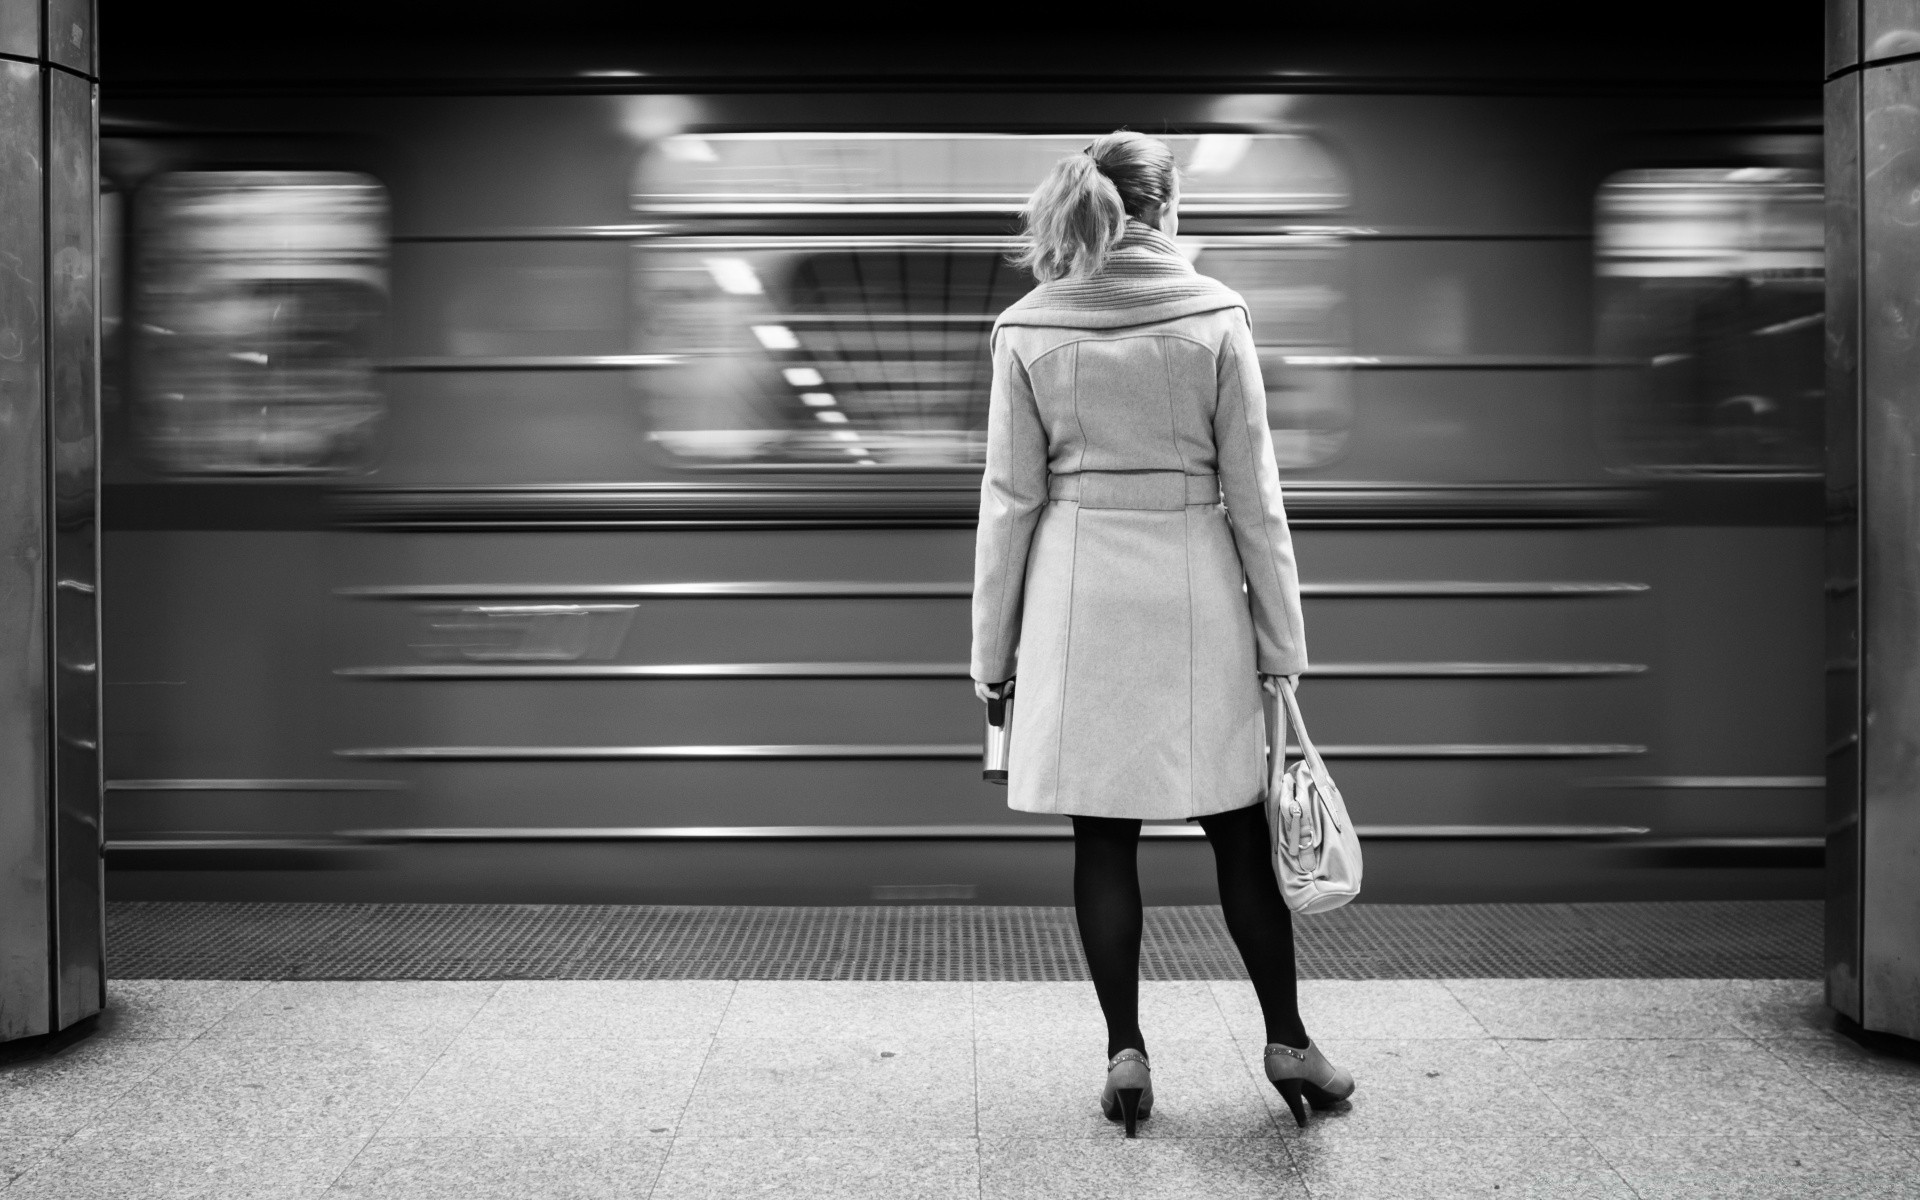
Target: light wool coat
{"type": "Point", "coordinates": [1133, 608]}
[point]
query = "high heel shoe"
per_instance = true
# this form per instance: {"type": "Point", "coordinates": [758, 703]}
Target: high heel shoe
{"type": "Point", "coordinates": [1305, 1077]}
{"type": "Point", "coordinates": [1129, 1093]}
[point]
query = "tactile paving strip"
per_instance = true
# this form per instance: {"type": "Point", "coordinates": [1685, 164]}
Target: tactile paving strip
{"type": "Point", "coordinates": [1778, 939]}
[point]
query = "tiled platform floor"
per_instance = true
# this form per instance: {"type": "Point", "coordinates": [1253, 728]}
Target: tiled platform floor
{"type": "Point", "coordinates": [544, 1090]}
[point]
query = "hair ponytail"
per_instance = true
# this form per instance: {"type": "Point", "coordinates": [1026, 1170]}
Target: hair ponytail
{"type": "Point", "coordinates": [1079, 212]}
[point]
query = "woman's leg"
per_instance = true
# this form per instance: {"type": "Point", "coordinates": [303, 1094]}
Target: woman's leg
{"type": "Point", "coordinates": [1257, 917]}
{"type": "Point", "coordinates": [1106, 903]}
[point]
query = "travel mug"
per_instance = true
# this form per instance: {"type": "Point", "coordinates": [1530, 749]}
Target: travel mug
{"type": "Point", "coordinates": [993, 764]}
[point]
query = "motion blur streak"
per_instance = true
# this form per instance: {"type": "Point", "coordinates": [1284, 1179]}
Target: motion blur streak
{"type": "Point", "coordinates": [496, 421]}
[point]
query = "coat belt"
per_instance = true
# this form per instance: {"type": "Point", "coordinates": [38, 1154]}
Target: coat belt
{"type": "Point", "coordinates": [1134, 489]}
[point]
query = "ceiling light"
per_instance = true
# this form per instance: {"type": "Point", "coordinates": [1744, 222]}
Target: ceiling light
{"type": "Point", "coordinates": [776, 337]}
{"type": "Point", "coordinates": [734, 275]}
{"type": "Point", "coordinates": [817, 399]}
{"type": "Point", "coordinates": [804, 377]}
{"type": "Point", "coordinates": [687, 148]}
{"type": "Point", "coordinates": [831, 416]}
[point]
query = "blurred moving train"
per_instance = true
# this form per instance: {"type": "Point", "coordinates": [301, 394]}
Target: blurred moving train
{"type": "Point", "coordinates": [548, 485]}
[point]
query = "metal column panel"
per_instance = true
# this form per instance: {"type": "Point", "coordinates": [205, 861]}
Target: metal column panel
{"type": "Point", "coordinates": [72, 375]}
{"type": "Point", "coordinates": [20, 27]}
{"type": "Point", "coordinates": [70, 34]}
{"type": "Point", "coordinates": [1843, 34]}
{"type": "Point", "coordinates": [1889, 27]}
{"type": "Point", "coordinates": [1890, 495]}
{"type": "Point", "coordinates": [1843, 545]}
{"type": "Point", "coordinates": [25, 939]}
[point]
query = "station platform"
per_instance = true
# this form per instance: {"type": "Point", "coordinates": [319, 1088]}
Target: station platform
{"type": "Point", "coordinates": [664, 1054]}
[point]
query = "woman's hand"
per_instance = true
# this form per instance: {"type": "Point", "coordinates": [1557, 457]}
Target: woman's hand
{"type": "Point", "coordinates": [1271, 683]}
{"type": "Point", "coordinates": [991, 691]}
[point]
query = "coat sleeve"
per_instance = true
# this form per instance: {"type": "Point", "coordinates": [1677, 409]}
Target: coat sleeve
{"type": "Point", "coordinates": [1250, 482]}
{"type": "Point", "coordinates": [1012, 494]}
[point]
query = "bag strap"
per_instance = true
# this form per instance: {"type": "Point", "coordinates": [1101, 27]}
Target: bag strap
{"type": "Point", "coordinates": [1299, 723]}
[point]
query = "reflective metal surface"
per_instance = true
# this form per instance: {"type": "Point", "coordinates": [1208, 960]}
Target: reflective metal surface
{"type": "Point", "coordinates": [1843, 34]}
{"type": "Point", "coordinates": [256, 785]}
{"type": "Point", "coordinates": [1052, 830]}
{"type": "Point", "coordinates": [1842, 593]}
{"type": "Point", "coordinates": [886, 752]}
{"type": "Point", "coordinates": [20, 28]}
{"type": "Point", "coordinates": [1715, 782]}
{"type": "Point", "coordinates": [957, 670]}
{"type": "Point", "coordinates": [26, 942]}
{"type": "Point", "coordinates": [890, 502]}
{"type": "Point", "coordinates": [1409, 590]}
{"type": "Point", "coordinates": [1890, 496]}
{"type": "Point", "coordinates": [1889, 28]}
{"type": "Point", "coordinates": [72, 394]}
{"type": "Point", "coordinates": [70, 40]}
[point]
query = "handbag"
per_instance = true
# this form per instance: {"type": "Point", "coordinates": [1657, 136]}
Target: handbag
{"type": "Point", "coordinates": [1316, 853]}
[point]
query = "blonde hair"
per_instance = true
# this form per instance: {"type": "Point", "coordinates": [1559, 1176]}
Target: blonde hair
{"type": "Point", "coordinates": [1079, 212]}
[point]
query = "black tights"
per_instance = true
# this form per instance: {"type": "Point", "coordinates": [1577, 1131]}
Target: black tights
{"type": "Point", "coordinates": [1106, 902]}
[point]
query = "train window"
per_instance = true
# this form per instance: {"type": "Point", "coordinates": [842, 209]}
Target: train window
{"type": "Point", "coordinates": [725, 174]}
{"type": "Point", "coordinates": [1710, 309]}
{"type": "Point", "coordinates": [258, 296]}
{"type": "Point", "coordinates": [1296, 294]}
{"type": "Point", "coordinates": [820, 340]}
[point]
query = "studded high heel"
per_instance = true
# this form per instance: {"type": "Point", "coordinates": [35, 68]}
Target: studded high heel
{"type": "Point", "coordinates": [1305, 1077]}
{"type": "Point", "coordinates": [1129, 1093]}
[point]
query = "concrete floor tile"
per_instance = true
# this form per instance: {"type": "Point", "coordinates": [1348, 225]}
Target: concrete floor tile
{"type": "Point", "coordinates": [1775, 1008]}
{"type": "Point", "coordinates": [1034, 1089]}
{"type": "Point", "coordinates": [915, 1087]}
{"type": "Point", "coordinates": [1777, 1167]}
{"type": "Point", "coordinates": [1882, 1089]}
{"type": "Point", "coordinates": [1561, 1168]}
{"type": "Point", "coordinates": [820, 1168]}
{"type": "Point", "coordinates": [810, 1010]}
{"type": "Point", "coordinates": [19, 1153]}
{"type": "Point", "coordinates": [1340, 1008]}
{"type": "Point", "coordinates": [1176, 1011]}
{"type": "Point", "coordinates": [502, 1168]}
{"type": "Point", "coordinates": [92, 1166]}
{"type": "Point", "coordinates": [1050, 1011]}
{"type": "Point", "coordinates": [1606, 1008]}
{"type": "Point", "coordinates": [170, 1008]}
{"type": "Point", "coordinates": [246, 1088]}
{"type": "Point", "coordinates": [327, 1011]}
{"type": "Point", "coordinates": [552, 1088]}
{"type": "Point", "coordinates": [1070, 1012]}
{"type": "Point", "coordinates": [59, 1094]}
{"type": "Point", "coordinates": [1141, 1169]}
{"type": "Point", "coordinates": [1438, 1087]}
{"type": "Point", "coordinates": [622, 1010]}
{"type": "Point", "coordinates": [1675, 1088]}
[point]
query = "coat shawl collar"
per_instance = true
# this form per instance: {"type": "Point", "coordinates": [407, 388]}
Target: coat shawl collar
{"type": "Point", "coordinates": [1144, 279]}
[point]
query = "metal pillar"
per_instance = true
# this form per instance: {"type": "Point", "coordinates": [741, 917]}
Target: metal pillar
{"type": "Point", "coordinates": [1873, 489]}
{"type": "Point", "coordinates": [52, 936]}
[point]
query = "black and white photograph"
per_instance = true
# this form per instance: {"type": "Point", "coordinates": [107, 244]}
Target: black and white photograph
{"type": "Point", "coordinates": [642, 601]}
